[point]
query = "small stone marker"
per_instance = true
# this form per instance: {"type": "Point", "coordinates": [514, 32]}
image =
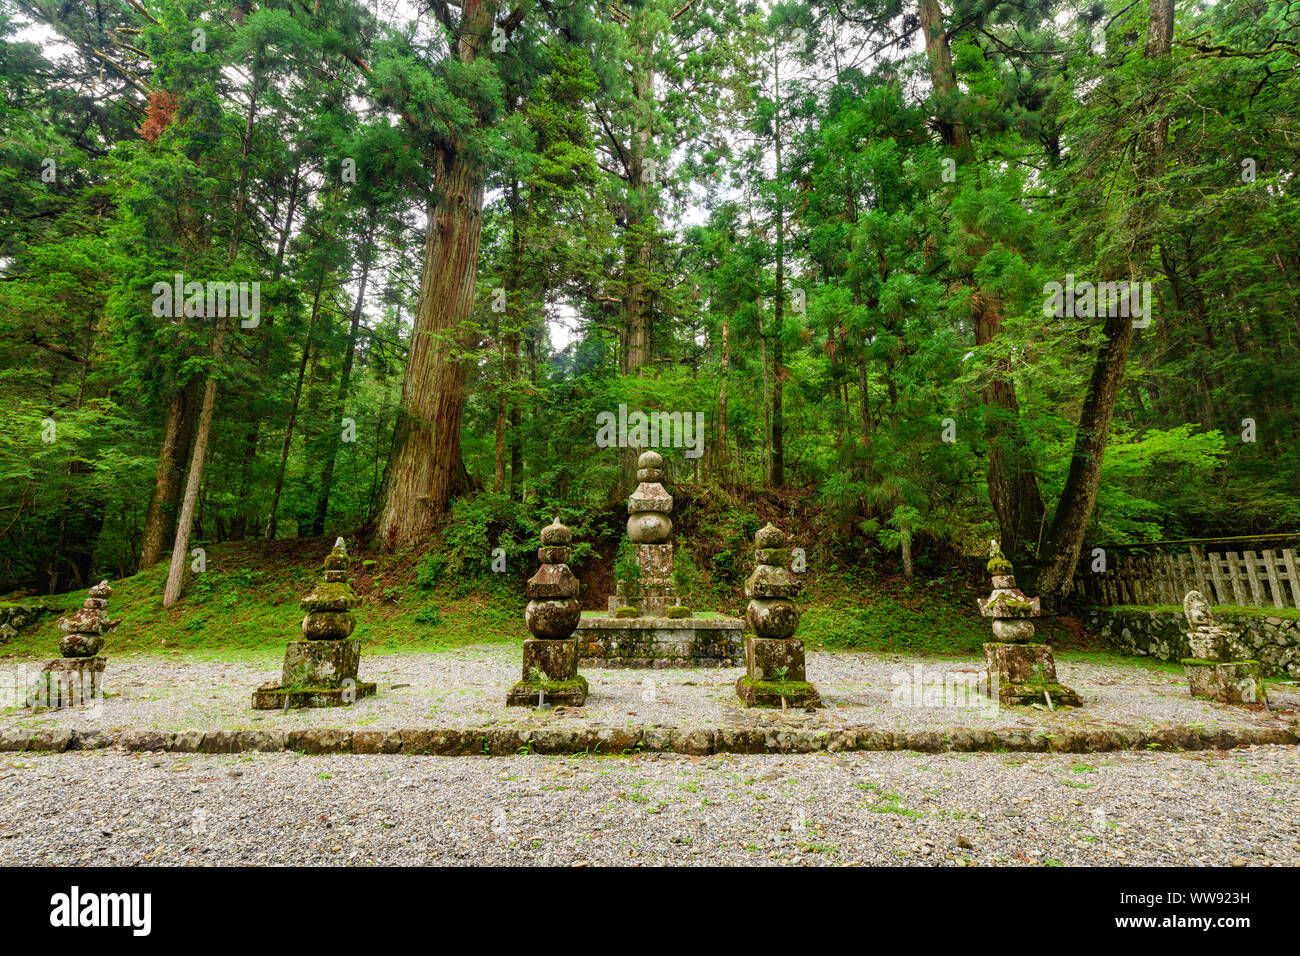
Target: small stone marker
{"type": "Point", "coordinates": [321, 671]}
{"type": "Point", "coordinates": [1211, 671]}
{"type": "Point", "coordinates": [550, 671]}
{"type": "Point", "coordinates": [1022, 672]}
{"type": "Point", "coordinates": [775, 675]}
{"type": "Point", "coordinates": [74, 679]}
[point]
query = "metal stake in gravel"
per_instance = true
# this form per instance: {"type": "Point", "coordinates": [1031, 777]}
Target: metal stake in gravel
{"type": "Point", "coordinates": [550, 671]}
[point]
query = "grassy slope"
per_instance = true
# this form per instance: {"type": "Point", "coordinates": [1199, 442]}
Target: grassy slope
{"type": "Point", "coordinates": [247, 603]}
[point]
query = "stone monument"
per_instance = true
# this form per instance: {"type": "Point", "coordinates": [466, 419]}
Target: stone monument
{"type": "Point", "coordinates": [647, 625]}
{"type": "Point", "coordinates": [74, 678]}
{"type": "Point", "coordinates": [550, 672]}
{"type": "Point", "coordinates": [774, 658]}
{"type": "Point", "coordinates": [1022, 672]}
{"type": "Point", "coordinates": [321, 670]}
{"type": "Point", "coordinates": [1211, 671]}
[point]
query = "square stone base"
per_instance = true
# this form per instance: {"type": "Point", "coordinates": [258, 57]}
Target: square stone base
{"type": "Point", "coordinates": [69, 682]}
{"type": "Point", "coordinates": [272, 697]}
{"type": "Point", "coordinates": [558, 660]}
{"type": "Point", "coordinates": [789, 693]}
{"type": "Point", "coordinates": [1022, 672]}
{"type": "Point", "coordinates": [1230, 682]}
{"type": "Point", "coordinates": [320, 663]}
{"type": "Point", "coordinates": [567, 693]}
{"type": "Point", "coordinates": [774, 658]}
{"type": "Point", "coordinates": [711, 641]}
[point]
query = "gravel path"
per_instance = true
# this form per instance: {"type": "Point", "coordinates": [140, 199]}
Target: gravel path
{"type": "Point", "coordinates": [109, 807]}
{"type": "Point", "coordinates": [466, 688]}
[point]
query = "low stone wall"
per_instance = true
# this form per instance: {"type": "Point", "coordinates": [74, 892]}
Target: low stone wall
{"type": "Point", "coordinates": [660, 642]}
{"type": "Point", "coordinates": [1162, 633]}
{"type": "Point", "coordinates": [17, 617]}
{"type": "Point", "coordinates": [507, 741]}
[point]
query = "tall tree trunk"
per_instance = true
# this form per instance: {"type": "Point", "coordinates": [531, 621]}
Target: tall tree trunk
{"type": "Point", "coordinates": [943, 79]}
{"type": "Point", "coordinates": [180, 548]}
{"type": "Point", "coordinates": [427, 459]}
{"type": "Point", "coordinates": [1079, 496]}
{"type": "Point", "coordinates": [168, 476]}
{"type": "Point", "coordinates": [720, 426]}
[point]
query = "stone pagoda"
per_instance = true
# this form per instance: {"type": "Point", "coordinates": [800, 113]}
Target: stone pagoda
{"type": "Point", "coordinates": [1023, 672]}
{"type": "Point", "coordinates": [649, 526]}
{"type": "Point", "coordinates": [774, 658]}
{"type": "Point", "coordinates": [550, 672]}
{"type": "Point", "coordinates": [1211, 670]}
{"type": "Point", "coordinates": [321, 671]}
{"type": "Point", "coordinates": [647, 625]}
{"type": "Point", "coordinates": [74, 678]}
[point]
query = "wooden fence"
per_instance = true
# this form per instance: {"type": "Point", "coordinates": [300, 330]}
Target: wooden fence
{"type": "Point", "coordinates": [1245, 579]}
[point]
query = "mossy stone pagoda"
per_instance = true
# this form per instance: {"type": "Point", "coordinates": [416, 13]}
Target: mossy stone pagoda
{"type": "Point", "coordinates": [1021, 671]}
{"type": "Point", "coordinates": [75, 678]}
{"type": "Point", "coordinates": [321, 671]}
{"type": "Point", "coordinates": [550, 672]}
{"type": "Point", "coordinates": [1211, 671]}
{"type": "Point", "coordinates": [775, 675]}
{"type": "Point", "coordinates": [646, 624]}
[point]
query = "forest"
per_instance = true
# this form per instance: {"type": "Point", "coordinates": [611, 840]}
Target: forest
{"type": "Point", "coordinates": [931, 273]}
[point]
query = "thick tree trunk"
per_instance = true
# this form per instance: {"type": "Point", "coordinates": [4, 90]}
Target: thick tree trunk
{"type": "Point", "coordinates": [1074, 511]}
{"type": "Point", "coordinates": [178, 429]}
{"type": "Point", "coordinates": [720, 426]}
{"type": "Point", "coordinates": [944, 80]}
{"type": "Point", "coordinates": [427, 459]}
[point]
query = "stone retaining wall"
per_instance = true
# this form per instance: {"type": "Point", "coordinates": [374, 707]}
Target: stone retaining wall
{"type": "Point", "coordinates": [1161, 633]}
{"type": "Point", "coordinates": [504, 741]}
{"type": "Point", "coordinates": [16, 617]}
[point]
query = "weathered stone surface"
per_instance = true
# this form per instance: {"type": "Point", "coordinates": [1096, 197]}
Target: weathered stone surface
{"type": "Point", "coordinates": [328, 625]}
{"type": "Point", "coordinates": [558, 660]}
{"type": "Point", "coordinates": [555, 534]}
{"type": "Point", "coordinates": [768, 581]}
{"type": "Point", "coordinates": [660, 642]}
{"type": "Point", "coordinates": [14, 739]}
{"type": "Point", "coordinates": [532, 693]}
{"type": "Point", "coordinates": [69, 682]}
{"type": "Point", "coordinates": [145, 740]}
{"type": "Point", "coordinates": [1013, 631]}
{"type": "Point", "coordinates": [15, 618]}
{"type": "Point", "coordinates": [80, 645]}
{"type": "Point", "coordinates": [263, 741]}
{"type": "Point", "coordinates": [330, 596]}
{"type": "Point", "coordinates": [50, 740]}
{"type": "Point", "coordinates": [320, 663]}
{"type": "Point", "coordinates": [649, 527]}
{"type": "Point", "coordinates": [772, 617]}
{"type": "Point", "coordinates": [755, 693]}
{"type": "Point", "coordinates": [768, 659]}
{"type": "Point", "coordinates": [1232, 682]}
{"type": "Point", "coordinates": [558, 554]}
{"type": "Point", "coordinates": [552, 581]}
{"type": "Point", "coordinates": [552, 620]}
{"type": "Point", "coordinates": [770, 536]}
{"type": "Point", "coordinates": [273, 697]}
{"type": "Point", "coordinates": [1023, 672]}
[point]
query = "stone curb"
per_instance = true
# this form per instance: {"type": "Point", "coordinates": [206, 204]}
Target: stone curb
{"type": "Point", "coordinates": [505, 741]}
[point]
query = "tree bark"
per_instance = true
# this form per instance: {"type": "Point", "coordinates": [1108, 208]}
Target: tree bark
{"type": "Point", "coordinates": [1074, 511]}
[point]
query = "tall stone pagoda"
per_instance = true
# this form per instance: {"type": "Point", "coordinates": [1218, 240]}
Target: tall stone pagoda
{"type": "Point", "coordinates": [1211, 670]}
{"type": "Point", "coordinates": [321, 670]}
{"type": "Point", "coordinates": [550, 671]}
{"type": "Point", "coordinates": [774, 658]}
{"type": "Point", "coordinates": [1023, 672]}
{"type": "Point", "coordinates": [649, 528]}
{"type": "Point", "coordinates": [74, 678]}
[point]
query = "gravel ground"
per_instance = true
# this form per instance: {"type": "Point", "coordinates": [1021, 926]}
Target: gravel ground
{"type": "Point", "coordinates": [109, 807]}
{"type": "Point", "coordinates": [466, 688]}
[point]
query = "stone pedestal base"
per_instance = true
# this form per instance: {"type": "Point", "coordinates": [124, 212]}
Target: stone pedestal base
{"type": "Point", "coordinates": [1230, 682]}
{"type": "Point", "coordinates": [789, 693]}
{"type": "Point", "coordinates": [774, 658]}
{"type": "Point", "coordinates": [69, 682]}
{"type": "Point", "coordinates": [550, 676]}
{"type": "Point", "coordinates": [700, 641]}
{"type": "Point", "coordinates": [274, 697]}
{"type": "Point", "coordinates": [1022, 672]}
{"type": "Point", "coordinates": [316, 674]}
